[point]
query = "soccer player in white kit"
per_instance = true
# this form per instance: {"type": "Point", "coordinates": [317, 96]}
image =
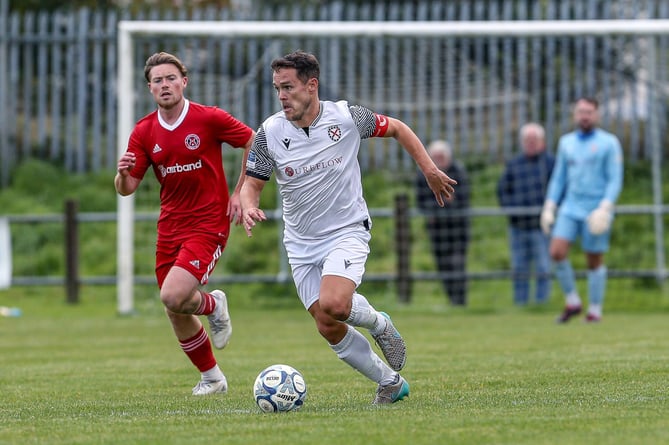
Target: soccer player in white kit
{"type": "Point", "coordinates": [312, 148]}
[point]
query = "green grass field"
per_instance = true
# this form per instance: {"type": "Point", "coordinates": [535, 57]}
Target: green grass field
{"type": "Point", "coordinates": [80, 374]}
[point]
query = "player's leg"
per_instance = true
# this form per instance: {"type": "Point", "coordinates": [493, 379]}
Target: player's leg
{"type": "Point", "coordinates": [190, 333]}
{"type": "Point", "coordinates": [564, 233]}
{"type": "Point", "coordinates": [199, 256]}
{"type": "Point", "coordinates": [179, 275]}
{"type": "Point", "coordinates": [595, 246]}
{"type": "Point", "coordinates": [339, 300]}
{"type": "Point", "coordinates": [542, 265]}
{"type": "Point", "coordinates": [343, 268]}
{"type": "Point", "coordinates": [350, 345]}
{"type": "Point", "coordinates": [354, 349]}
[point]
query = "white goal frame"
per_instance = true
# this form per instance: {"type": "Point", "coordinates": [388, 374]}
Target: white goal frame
{"type": "Point", "coordinates": [127, 30]}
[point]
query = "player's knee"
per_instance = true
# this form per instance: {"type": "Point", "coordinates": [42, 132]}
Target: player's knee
{"type": "Point", "coordinates": [336, 308]}
{"type": "Point", "coordinates": [172, 301]}
{"type": "Point", "coordinates": [558, 251]}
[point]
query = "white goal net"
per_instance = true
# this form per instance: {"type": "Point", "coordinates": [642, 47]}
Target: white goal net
{"type": "Point", "coordinates": [472, 83]}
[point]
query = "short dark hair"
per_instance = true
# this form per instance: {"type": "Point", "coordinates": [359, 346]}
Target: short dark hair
{"type": "Point", "coordinates": [162, 58]}
{"type": "Point", "coordinates": [305, 63]}
{"type": "Point", "coordinates": [589, 99]}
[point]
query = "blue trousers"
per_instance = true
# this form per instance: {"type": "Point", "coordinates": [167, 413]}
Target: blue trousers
{"type": "Point", "coordinates": [530, 259]}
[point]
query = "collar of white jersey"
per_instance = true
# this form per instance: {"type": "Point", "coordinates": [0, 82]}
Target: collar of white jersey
{"type": "Point", "coordinates": [316, 119]}
{"type": "Point", "coordinates": [178, 122]}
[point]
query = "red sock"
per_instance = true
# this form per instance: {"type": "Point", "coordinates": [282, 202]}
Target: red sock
{"type": "Point", "coordinates": [198, 350]}
{"type": "Point", "coordinates": [207, 304]}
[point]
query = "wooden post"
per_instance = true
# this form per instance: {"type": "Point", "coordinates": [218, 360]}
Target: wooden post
{"type": "Point", "coordinates": [71, 252]}
{"type": "Point", "coordinates": [403, 246]}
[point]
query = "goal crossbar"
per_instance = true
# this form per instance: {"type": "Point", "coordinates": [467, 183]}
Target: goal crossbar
{"type": "Point", "coordinates": [516, 28]}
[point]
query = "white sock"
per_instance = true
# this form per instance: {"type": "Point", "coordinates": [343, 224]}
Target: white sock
{"type": "Point", "coordinates": [355, 350]}
{"type": "Point", "coordinates": [573, 299]}
{"type": "Point", "coordinates": [365, 316]}
{"type": "Point", "coordinates": [213, 375]}
{"type": "Point", "coordinates": [595, 309]}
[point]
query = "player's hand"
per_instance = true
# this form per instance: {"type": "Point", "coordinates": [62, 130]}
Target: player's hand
{"type": "Point", "coordinates": [441, 185]}
{"type": "Point", "coordinates": [234, 210]}
{"type": "Point", "coordinates": [251, 217]}
{"type": "Point", "coordinates": [548, 216]}
{"type": "Point", "coordinates": [126, 163]}
{"type": "Point", "coordinates": [599, 220]}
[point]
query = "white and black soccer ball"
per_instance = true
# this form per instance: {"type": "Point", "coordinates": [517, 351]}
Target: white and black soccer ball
{"type": "Point", "coordinates": [279, 388]}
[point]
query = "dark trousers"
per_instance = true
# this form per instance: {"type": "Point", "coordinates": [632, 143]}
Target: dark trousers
{"type": "Point", "coordinates": [449, 247]}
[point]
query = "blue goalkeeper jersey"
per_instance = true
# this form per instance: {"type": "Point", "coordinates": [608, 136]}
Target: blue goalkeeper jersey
{"type": "Point", "coordinates": [588, 169]}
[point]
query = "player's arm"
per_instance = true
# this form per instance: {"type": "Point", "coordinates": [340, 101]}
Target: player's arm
{"type": "Point", "coordinates": [234, 210]}
{"type": "Point", "coordinates": [250, 200]}
{"type": "Point", "coordinates": [614, 172]}
{"type": "Point", "coordinates": [438, 181]}
{"type": "Point", "coordinates": [124, 182]}
{"type": "Point", "coordinates": [599, 220]}
{"type": "Point", "coordinates": [258, 171]}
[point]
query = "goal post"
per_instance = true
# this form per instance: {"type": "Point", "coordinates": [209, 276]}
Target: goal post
{"type": "Point", "coordinates": [127, 74]}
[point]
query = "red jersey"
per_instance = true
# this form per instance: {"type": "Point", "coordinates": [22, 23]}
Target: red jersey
{"type": "Point", "coordinates": [187, 160]}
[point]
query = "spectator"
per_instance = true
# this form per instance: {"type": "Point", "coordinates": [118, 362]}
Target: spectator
{"type": "Point", "coordinates": [523, 185]}
{"type": "Point", "coordinates": [585, 183]}
{"type": "Point", "coordinates": [448, 226]}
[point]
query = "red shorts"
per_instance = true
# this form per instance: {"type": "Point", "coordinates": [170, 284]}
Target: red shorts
{"type": "Point", "coordinates": [198, 255]}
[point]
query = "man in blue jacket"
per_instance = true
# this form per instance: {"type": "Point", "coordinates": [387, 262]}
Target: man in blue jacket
{"type": "Point", "coordinates": [523, 185]}
{"type": "Point", "coordinates": [586, 182]}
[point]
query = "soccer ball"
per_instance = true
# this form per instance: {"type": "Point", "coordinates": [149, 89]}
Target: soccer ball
{"type": "Point", "coordinates": [279, 388]}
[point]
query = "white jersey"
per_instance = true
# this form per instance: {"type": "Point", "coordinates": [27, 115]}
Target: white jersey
{"type": "Point", "coordinates": [316, 169]}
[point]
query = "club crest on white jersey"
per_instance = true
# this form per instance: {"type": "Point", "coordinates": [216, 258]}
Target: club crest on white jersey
{"type": "Point", "coordinates": [334, 132]}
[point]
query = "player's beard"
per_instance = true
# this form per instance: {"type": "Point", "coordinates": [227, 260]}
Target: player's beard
{"type": "Point", "coordinates": [298, 111]}
{"type": "Point", "coordinates": [586, 127]}
{"type": "Point", "coordinates": [296, 114]}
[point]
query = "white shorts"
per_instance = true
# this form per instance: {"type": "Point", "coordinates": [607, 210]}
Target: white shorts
{"type": "Point", "coordinates": [343, 255]}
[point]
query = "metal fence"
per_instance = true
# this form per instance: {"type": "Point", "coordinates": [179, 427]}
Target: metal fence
{"type": "Point", "coordinates": [58, 76]}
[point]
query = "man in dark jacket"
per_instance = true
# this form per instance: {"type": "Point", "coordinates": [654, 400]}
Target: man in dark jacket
{"type": "Point", "coordinates": [521, 186]}
{"type": "Point", "coordinates": [448, 226]}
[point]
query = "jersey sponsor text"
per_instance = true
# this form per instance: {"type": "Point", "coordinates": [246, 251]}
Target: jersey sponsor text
{"type": "Point", "coordinates": [178, 168]}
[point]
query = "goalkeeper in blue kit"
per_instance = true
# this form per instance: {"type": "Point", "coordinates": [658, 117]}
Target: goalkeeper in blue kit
{"type": "Point", "coordinates": [585, 184]}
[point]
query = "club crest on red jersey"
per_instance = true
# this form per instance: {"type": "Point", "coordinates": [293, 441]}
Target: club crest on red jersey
{"type": "Point", "coordinates": [334, 131]}
{"type": "Point", "coordinates": [192, 142]}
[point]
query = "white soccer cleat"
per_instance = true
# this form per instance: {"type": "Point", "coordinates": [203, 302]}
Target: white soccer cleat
{"type": "Point", "coordinates": [219, 320]}
{"type": "Point", "coordinates": [205, 388]}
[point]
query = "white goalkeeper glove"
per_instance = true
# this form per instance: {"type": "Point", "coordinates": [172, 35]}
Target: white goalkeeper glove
{"type": "Point", "coordinates": [599, 220]}
{"type": "Point", "coordinates": [548, 216]}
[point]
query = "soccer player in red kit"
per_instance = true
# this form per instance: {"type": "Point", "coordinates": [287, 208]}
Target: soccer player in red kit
{"type": "Point", "coordinates": [181, 141]}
